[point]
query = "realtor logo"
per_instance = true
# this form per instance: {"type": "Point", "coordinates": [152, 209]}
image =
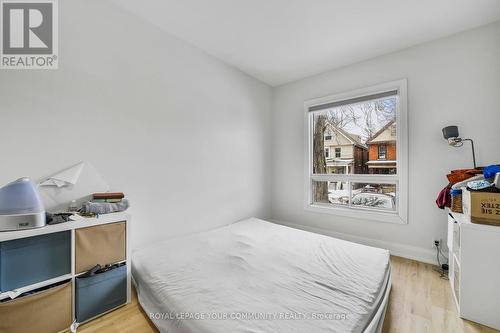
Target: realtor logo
{"type": "Point", "coordinates": [29, 34]}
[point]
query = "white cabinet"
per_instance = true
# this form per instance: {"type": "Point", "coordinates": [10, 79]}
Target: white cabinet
{"type": "Point", "coordinates": [32, 259]}
{"type": "Point", "coordinates": [474, 259]}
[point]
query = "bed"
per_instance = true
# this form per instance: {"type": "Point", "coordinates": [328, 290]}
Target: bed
{"type": "Point", "coordinates": [256, 276]}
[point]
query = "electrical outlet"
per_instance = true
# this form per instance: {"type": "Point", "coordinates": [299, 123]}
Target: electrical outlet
{"type": "Point", "coordinates": [437, 242]}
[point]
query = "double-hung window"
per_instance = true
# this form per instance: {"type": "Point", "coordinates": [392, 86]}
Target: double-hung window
{"type": "Point", "coordinates": [370, 181]}
{"type": "Point", "coordinates": [382, 151]}
{"type": "Point", "coordinates": [328, 135]}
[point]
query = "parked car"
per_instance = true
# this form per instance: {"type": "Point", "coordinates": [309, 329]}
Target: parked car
{"type": "Point", "coordinates": [339, 197]}
{"type": "Point", "coordinates": [374, 200]}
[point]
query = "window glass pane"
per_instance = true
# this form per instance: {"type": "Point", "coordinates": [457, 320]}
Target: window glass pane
{"type": "Point", "coordinates": [331, 192]}
{"type": "Point", "coordinates": [378, 196]}
{"type": "Point", "coordinates": [381, 151]}
{"type": "Point", "coordinates": [362, 135]}
{"type": "Point", "coordinates": [328, 135]}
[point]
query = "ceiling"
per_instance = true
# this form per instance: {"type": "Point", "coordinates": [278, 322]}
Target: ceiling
{"type": "Point", "coordinates": [279, 41]}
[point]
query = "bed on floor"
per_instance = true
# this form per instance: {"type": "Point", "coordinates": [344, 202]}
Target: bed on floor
{"type": "Point", "coordinates": [256, 276]}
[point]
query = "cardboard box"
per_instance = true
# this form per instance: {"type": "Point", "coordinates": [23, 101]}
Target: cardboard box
{"type": "Point", "coordinates": [482, 207]}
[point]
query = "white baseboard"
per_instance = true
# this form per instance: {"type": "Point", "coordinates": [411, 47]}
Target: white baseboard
{"type": "Point", "coordinates": [397, 249]}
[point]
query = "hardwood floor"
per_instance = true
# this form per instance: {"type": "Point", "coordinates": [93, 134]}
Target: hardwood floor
{"type": "Point", "coordinates": [420, 302]}
{"type": "Point", "coordinates": [127, 319]}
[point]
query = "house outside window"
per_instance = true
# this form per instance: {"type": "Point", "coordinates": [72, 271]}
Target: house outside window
{"type": "Point", "coordinates": [382, 150]}
{"type": "Point", "coordinates": [367, 177]}
{"type": "Point", "coordinates": [327, 152]}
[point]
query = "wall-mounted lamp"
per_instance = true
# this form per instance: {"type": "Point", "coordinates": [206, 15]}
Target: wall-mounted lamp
{"type": "Point", "coordinates": [450, 133]}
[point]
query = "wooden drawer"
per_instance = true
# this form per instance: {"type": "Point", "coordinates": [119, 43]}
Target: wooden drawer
{"type": "Point", "coordinates": [46, 311]}
{"type": "Point", "coordinates": [103, 244]}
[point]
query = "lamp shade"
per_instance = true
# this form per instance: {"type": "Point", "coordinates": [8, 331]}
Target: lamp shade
{"type": "Point", "coordinates": [450, 132]}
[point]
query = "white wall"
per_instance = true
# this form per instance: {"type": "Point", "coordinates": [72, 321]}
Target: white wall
{"type": "Point", "coordinates": [185, 136]}
{"type": "Point", "coordinates": [451, 81]}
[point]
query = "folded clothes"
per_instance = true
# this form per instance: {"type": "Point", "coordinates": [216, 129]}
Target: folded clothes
{"type": "Point", "coordinates": [478, 184]}
{"type": "Point", "coordinates": [444, 198]}
{"type": "Point", "coordinates": [490, 171]}
{"type": "Point", "coordinates": [57, 218]}
{"type": "Point", "coordinates": [105, 207]}
{"type": "Point", "coordinates": [464, 183]}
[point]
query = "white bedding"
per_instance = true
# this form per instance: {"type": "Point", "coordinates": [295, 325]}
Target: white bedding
{"type": "Point", "coordinates": [256, 276]}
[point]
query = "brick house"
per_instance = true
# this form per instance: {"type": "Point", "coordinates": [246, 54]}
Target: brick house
{"type": "Point", "coordinates": [344, 152]}
{"type": "Point", "coordinates": [382, 150]}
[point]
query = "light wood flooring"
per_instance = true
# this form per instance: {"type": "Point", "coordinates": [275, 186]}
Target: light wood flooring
{"type": "Point", "coordinates": [420, 302]}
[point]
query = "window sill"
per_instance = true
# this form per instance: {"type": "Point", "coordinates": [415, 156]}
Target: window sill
{"type": "Point", "coordinates": [379, 216]}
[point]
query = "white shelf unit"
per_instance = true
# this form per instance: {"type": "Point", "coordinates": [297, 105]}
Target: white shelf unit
{"type": "Point", "coordinates": [72, 226]}
{"type": "Point", "coordinates": [474, 269]}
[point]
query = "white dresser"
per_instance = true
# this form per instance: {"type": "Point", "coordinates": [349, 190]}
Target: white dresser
{"type": "Point", "coordinates": [474, 259]}
{"type": "Point", "coordinates": [42, 283]}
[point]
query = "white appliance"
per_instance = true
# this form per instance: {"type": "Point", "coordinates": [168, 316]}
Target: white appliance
{"type": "Point", "coordinates": [21, 206]}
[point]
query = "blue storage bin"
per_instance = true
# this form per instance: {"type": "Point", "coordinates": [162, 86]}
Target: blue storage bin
{"type": "Point", "coordinates": [100, 293]}
{"type": "Point", "coordinates": [26, 261]}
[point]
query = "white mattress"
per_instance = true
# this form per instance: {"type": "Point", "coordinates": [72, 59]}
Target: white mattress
{"type": "Point", "coordinates": [256, 276]}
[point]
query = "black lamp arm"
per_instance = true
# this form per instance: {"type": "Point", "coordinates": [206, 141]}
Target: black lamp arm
{"type": "Point", "coordinates": [473, 151]}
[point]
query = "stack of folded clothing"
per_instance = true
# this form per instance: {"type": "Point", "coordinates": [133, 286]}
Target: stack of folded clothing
{"type": "Point", "coordinates": [104, 203]}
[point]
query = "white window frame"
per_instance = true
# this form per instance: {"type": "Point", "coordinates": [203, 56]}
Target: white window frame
{"type": "Point", "coordinates": [327, 152]}
{"type": "Point", "coordinates": [400, 179]}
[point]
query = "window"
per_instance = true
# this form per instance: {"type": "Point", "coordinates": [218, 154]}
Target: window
{"type": "Point", "coordinates": [328, 135]}
{"type": "Point", "coordinates": [370, 125]}
{"type": "Point", "coordinates": [393, 131]}
{"type": "Point", "coordinates": [381, 151]}
{"type": "Point", "coordinates": [327, 152]}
